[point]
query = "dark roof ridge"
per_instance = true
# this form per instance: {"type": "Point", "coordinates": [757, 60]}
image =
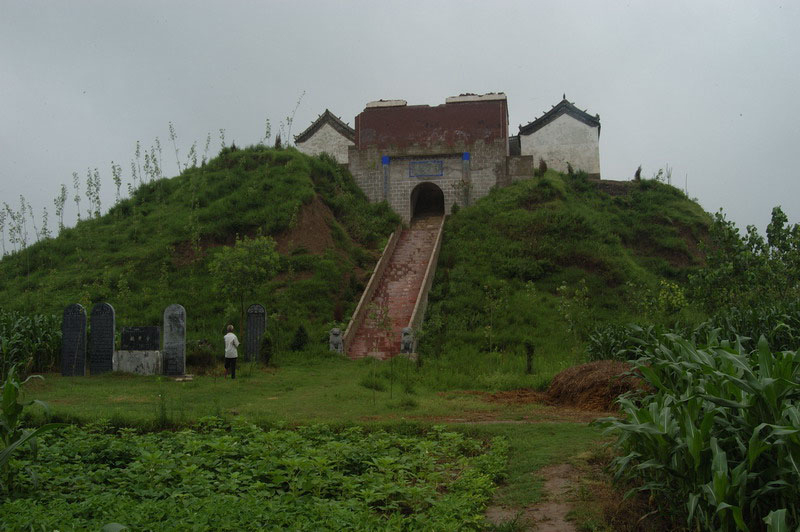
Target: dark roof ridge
{"type": "Point", "coordinates": [327, 118]}
{"type": "Point", "coordinates": [562, 107]}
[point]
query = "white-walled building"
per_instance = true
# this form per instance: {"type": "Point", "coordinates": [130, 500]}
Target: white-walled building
{"type": "Point", "coordinates": [415, 156]}
{"type": "Point", "coordinates": [563, 135]}
{"type": "Point", "coordinates": [328, 134]}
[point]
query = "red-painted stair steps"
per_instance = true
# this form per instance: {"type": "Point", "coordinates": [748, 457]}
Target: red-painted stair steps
{"type": "Point", "coordinates": [393, 302]}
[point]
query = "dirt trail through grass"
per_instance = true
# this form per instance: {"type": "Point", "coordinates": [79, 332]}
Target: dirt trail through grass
{"type": "Point", "coordinates": [548, 514]}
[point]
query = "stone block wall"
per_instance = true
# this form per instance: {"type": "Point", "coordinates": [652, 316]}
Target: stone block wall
{"type": "Point", "coordinates": [485, 169]}
{"type": "Point", "coordinates": [519, 167]}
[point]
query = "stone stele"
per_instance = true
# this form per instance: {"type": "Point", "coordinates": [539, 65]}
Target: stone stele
{"type": "Point", "coordinates": [174, 351]}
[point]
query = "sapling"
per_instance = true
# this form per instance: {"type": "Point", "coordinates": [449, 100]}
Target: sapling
{"type": "Point", "coordinates": [59, 202]}
{"type": "Point", "coordinates": [76, 184]}
{"type": "Point", "coordinates": [192, 156]}
{"type": "Point", "coordinates": [44, 232]}
{"type": "Point", "coordinates": [89, 190]}
{"type": "Point", "coordinates": [93, 192]}
{"type": "Point", "coordinates": [26, 208]}
{"type": "Point", "coordinates": [23, 227]}
{"type": "Point", "coordinates": [290, 119]}
{"type": "Point", "coordinates": [116, 174]}
{"type": "Point", "coordinates": [148, 168]}
{"type": "Point", "coordinates": [267, 132]}
{"type": "Point", "coordinates": [138, 163]}
{"type": "Point", "coordinates": [97, 207]}
{"type": "Point", "coordinates": [133, 178]}
{"type": "Point", "coordinates": [174, 138]}
{"type": "Point", "coordinates": [2, 230]}
{"type": "Point", "coordinates": [9, 215]}
{"type": "Point", "coordinates": [158, 163]}
{"type": "Point", "coordinates": [205, 150]}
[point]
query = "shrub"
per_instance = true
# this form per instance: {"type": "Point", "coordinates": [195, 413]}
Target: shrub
{"type": "Point", "coordinates": [201, 355]}
{"type": "Point", "coordinates": [373, 382]}
{"type": "Point", "coordinates": [542, 167]}
{"type": "Point", "coordinates": [266, 349]}
{"type": "Point", "coordinates": [300, 338]}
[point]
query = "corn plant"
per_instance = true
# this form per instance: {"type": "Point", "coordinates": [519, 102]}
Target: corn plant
{"type": "Point", "coordinates": [718, 439]}
{"type": "Point", "coordinates": [28, 342]}
{"type": "Point", "coordinates": [12, 435]}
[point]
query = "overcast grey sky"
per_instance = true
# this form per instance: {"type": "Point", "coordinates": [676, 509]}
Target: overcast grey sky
{"type": "Point", "coordinates": [710, 88]}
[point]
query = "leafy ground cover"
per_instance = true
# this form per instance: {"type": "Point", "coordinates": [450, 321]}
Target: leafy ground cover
{"type": "Point", "coordinates": [342, 394]}
{"type": "Point", "coordinates": [238, 476]}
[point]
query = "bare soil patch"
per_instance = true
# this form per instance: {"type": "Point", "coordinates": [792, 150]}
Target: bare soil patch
{"type": "Point", "coordinates": [614, 188]}
{"type": "Point", "coordinates": [551, 513]}
{"type": "Point", "coordinates": [312, 231]}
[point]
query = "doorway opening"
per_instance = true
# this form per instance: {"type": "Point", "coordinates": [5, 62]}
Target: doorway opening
{"type": "Point", "coordinates": [427, 199]}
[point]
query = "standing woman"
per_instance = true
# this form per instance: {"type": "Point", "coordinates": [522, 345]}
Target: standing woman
{"type": "Point", "coordinates": [231, 343]}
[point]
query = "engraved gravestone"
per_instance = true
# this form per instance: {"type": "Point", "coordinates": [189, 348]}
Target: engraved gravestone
{"type": "Point", "coordinates": [101, 342]}
{"type": "Point", "coordinates": [174, 351]}
{"type": "Point", "coordinates": [73, 341]}
{"type": "Point", "coordinates": [140, 339]}
{"type": "Point", "coordinates": [256, 325]}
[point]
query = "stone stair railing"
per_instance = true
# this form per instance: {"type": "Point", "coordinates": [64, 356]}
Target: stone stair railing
{"type": "Point", "coordinates": [362, 308]}
{"type": "Point", "coordinates": [421, 305]}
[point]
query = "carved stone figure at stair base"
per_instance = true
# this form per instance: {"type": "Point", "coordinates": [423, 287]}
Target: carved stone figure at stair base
{"type": "Point", "coordinates": [408, 340]}
{"type": "Point", "coordinates": [335, 340]}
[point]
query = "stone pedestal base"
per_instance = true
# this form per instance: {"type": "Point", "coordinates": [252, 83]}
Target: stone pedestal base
{"type": "Point", "coordinates": [138, 362]}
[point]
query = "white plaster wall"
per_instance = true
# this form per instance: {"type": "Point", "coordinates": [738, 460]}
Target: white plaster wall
{"type": "Point", "coordinates": [326, 140]}
{"type": "Point", "coordinates": [564, 140]}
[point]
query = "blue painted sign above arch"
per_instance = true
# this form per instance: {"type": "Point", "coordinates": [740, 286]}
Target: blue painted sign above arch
{"type": "Point", "coordinates": [425, 168]}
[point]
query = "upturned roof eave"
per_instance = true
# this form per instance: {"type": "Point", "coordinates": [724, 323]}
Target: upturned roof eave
{"type": "Point", "coordinates": [563, 107]}
{"type": "Point", "coordinates": [327, 118]}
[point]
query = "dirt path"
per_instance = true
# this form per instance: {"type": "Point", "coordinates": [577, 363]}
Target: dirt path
{"type": "Point", "coordinates": [550, 514]}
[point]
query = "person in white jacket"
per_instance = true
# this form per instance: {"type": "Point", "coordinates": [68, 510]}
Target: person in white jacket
{"type": "Point", "coordinates": [231, 354]}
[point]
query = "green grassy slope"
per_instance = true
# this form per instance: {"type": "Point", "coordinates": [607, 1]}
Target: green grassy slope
{"type": "Point", "coordinates": [542, 260]}
{"type": "Point", "coordinates": [504, 260]}
{"type": "Point", "coordinates": [153, 249]}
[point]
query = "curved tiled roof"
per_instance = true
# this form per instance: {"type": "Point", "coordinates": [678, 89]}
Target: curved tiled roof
{"type": "Point", "coordinates": [327, 118]}
{"type": "Point", "coordinates": [563, 107]}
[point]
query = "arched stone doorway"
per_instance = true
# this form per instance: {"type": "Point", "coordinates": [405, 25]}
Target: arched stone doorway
{"type": "Point", "coordinates": [427, 199]}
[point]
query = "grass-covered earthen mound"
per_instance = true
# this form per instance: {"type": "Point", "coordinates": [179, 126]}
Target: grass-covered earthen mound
{"type": "Point", "coordinates": [547, 259]}
{"type": "Point", "coordinates": [153, 249]}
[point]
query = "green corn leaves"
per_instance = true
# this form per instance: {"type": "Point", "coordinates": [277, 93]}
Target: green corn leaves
{"type": "Point", "coordinates": [719, 437]}
{"type": "Point", "coordinates": [12, 435]}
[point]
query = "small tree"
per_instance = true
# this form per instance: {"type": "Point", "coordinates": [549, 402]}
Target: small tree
{"type": "Point", "coordinates": [239, 269]}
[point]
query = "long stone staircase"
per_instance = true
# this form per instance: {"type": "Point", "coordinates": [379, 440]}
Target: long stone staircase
{"type": "Point", "coordinates": [392, 305]}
